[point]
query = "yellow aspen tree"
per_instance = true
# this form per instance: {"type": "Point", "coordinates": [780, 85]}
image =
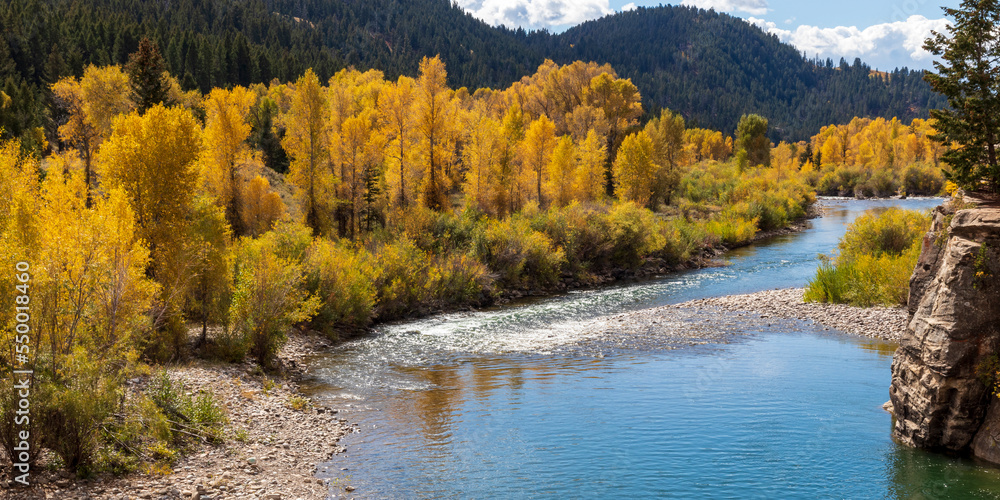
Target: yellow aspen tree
{"type": "Point", "coordinates": [667, 134]}
{"type": "Point", "coordinates": [90, 285]}
{"type": "Point", "coordinates": [433, 111]}
{"type": "Point", "coordinates": [536, 152]}
{"type": "Point", "coordinates": [226, 151]}
{"type": "Point", "coordinates": [508, 197]}
{"type": "Point", "coordinates": [306, 142]}
{"type": "Point", "coordinates": [586, 118]}
{"type": "Point", "coordinates": [622, 106]}
{"type": "Point", "coordinates": [261, 207]}
{"type": "Point", "coordinates": [152, 158]}
{"type": "Point", "coordinates": [90, 104]}
{"type": "Point", "coordinates": [481, 159]}
{"type": "Point", "coordinates": [634, 169]}
{"type": "Point", "coordinates": [78, 130]}
{"type": "Point", "coordinates": [395, 108]}
{"type": "Point", "coordinates": [359, 148]}
{"type": "Point", "coordinates": [589, 182]}
{"type": "Point", "coordinates": [106, 93]}
{"type": "Point", "coordinates": [562, 171]}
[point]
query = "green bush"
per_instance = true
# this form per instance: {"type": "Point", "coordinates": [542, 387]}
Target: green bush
{"type": "Point", "coordinates": [634, 233]}
{"type": "Point", "coordinates": [344, 281]}
{"type": "Point", "coordinates": [923, 179]}
{"type": "Point", "coordinates": [521, 256]}
{"type": "Point", "coordinates": [74, 408]}
{"type": "Point", "coordinates": [188, 416]}
{"type": "Point", "coordinates": [269, 298]}
{"type": "Point", "coordinates": [877, 257]}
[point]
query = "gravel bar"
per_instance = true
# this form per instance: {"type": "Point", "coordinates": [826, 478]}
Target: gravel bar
{"type": "Point", "coordinates": [886, 323]}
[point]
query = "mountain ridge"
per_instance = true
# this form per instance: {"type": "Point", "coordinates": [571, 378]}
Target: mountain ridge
{"type": "Point", "coordinates": [708, 66]}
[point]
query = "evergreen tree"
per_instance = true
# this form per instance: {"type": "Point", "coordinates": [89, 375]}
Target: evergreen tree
{"type": "Point", "coordinates": [145, 70]}
{"type": "Point", "coordinates": [969, 75]}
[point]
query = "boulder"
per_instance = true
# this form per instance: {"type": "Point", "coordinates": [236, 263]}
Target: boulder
{"type": "Point", "coordinates": [937, 396]}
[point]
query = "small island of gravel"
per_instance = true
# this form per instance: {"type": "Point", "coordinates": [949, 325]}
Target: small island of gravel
{"type": "Point", "coordinates": [886, 323]}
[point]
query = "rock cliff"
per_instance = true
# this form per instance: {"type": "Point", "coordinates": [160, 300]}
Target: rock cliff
{"type": "Point", "coordinates": [939, 399]}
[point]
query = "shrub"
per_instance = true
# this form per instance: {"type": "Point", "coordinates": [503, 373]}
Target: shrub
{"type": "Point", "coordinates": [344, 281]}
{"type": "Point", "coordinates": [733, 230]}
{"type": "Point", "coordinates": [269, 298]}
{"type": "Point", "coordinates": [890, 231]}
{"type": "Point", "coordinates": [521, 256]}
{"type": "Point", "coordinates": [197, 416]}
{"type": "Point", "coordinates": [634, 233]}
{"type": "Point", "coordinates": [877, 257]}
{"type": "Point", "coordinates": [458, 279]}
{"type": "Point", "coordinates": [923, 179]}
{"type": "Point", "coordinates": [74, 409]}
{"type": "Point", "coordinates": [402, 271]}
{"type": "Point", "coordinates": [686, 239]}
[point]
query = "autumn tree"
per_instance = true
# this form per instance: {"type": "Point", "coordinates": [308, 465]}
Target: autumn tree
{"type": "Point", "coordinates": [621, 104]}
{"type": "Point", "coordinates": [634, 168]}
{"type": "Point", "coordinates": [752, 144]}
{"type": "Point", "coordinates": [590, 179]}
{"type": "Point", "coordinates": [91, 103]}
{"type": "Point", "coordinates": [968, 69]}
{"type": "Point", "coordinates": [561, 172]}
{"type": "Point", "coordinates": [210, 288]}
{"type": "Point", "coordinates": [508, 195]}
{"type": "Point", "coordinates": [152, 158]}
{"type": "Point", "coordinates": [306, 142]}
{"type": "Point", "coordinates": [261, 207]}
{"type": "Point", "coordinates": [226, 151]}
{"type": "Point", "coordinates": [482, 159]}
{"type": "Point", "coordinates": [360, 155]}
{"type": "Point", "coordinates": [395, 107]}
{"type": "Point", "coordinates": [433, 113]}
{"type": "Point", "coordinates": [667, 134]}
{"type": "Point", "coordinates": [536, 151]}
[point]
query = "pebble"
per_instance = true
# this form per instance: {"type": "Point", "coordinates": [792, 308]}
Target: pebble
{"type": "Point", "coordinates": [886, 323]}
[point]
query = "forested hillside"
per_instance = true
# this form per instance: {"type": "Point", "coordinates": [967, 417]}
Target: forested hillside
{"type": "Point", "coordinates": [710, 67]}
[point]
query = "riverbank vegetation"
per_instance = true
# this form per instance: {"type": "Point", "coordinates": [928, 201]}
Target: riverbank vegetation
{"type": "Point", "coordinates": [876, 258]}
{"type": "Point", "coordinates": [168, 223]}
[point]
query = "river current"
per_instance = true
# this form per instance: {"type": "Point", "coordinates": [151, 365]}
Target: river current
{"type": "Point", "coordinates": [521, 401]}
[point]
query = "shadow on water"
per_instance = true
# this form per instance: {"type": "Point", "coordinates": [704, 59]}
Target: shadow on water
{"type": "Point", "coordinates": [523, 401]}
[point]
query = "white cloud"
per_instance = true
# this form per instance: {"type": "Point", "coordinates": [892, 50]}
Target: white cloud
{"type": "Point", "coordinates": [755, 7]}
{"type": "Point", "coordinates": [884, 46]}
{"type": "Point", "coordinates": [629, 6]}
{"type": "Point", "coordinates": [536, 14]}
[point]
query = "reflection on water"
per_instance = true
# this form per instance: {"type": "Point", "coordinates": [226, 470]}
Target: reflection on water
{"type": "Point", "coordinates": [516, 401]}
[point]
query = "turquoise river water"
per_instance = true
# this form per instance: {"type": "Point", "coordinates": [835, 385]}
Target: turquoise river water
{"type": "Point", "coordinates": [520, 402]}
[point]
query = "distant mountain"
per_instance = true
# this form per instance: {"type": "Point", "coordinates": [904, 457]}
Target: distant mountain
{"type": "Point", "coordinates": [711, 67]}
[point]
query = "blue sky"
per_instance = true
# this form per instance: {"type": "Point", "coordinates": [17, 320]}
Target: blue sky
{"type": "Point", "coordinates": [885, 34]}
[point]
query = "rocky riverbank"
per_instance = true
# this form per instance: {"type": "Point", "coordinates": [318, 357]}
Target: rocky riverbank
{"type": "Point", "coordinates": [274, 440]}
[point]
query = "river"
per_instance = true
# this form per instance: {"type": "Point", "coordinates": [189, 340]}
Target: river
{"type": "Point", "coordinates": [521, 401]}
